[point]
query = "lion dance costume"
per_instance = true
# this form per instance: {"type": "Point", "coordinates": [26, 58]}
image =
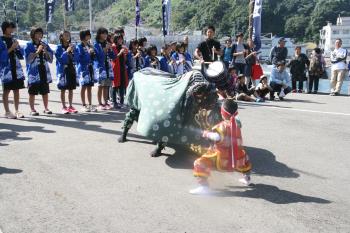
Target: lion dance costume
{"type": "Point", "coordinates": [227, 154]}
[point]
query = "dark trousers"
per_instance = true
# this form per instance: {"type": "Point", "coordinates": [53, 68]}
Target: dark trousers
{"type": "Point", "coordinates": [240, 68]}
{"type": "Point", "coordinates": [313, 79]}
{"type": "Point", "coordinates": [300, 84]}
{"type": "Point", "coordinates": [121, 93]}
{"type": "Point", "coordinates": [277, 88]}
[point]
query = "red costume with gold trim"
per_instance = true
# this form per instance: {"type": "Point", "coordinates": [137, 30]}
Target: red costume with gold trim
{"type": "Point", "coordinates": [228, 153]}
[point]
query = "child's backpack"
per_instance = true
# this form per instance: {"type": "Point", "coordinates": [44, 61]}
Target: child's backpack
{"type": "Point", "coordinates": [316, 67]}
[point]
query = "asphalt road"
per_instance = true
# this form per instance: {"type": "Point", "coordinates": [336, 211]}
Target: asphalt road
{"type": "Point", "coordinates": [68, 174]}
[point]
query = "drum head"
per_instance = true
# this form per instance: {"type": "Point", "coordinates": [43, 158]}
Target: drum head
{"type": "Point", "coordinates": [215, 69]}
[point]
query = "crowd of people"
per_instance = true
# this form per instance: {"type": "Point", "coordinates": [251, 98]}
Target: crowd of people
{"type": "Point", "coordinates": [110, 64]}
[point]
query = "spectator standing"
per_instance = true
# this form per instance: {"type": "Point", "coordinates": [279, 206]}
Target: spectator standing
{"type": "Point", "coordinates": [339, 69]}
{"type": "Point", "coordinates": [85, 70]}
{"type": "Point", "coordinates": [183, 60]}
{"type": "Point", "coordinates": [316, 70]}
{"type": "Point", "coordinates": [166, 63]}
{"type": "Point", "coordinates": [102, 67]}
{"type": "Point", "coordinates": [279, 53]}
{"type": "Point", "coordinates": [120, 81]}
{"type": "Point", "coordinates": [239, 52]}
{"type": "Point", "coordinates": [279, 81]}
{"type": "Point", "coordinates": [210, 49]}
{"type": "Point", "coordinates": [37, 55]}
{"type": "Point", "coordinates": [66, 58]}
{"type": "Point", "coordinates": [228, 53]}
{"type": "Point", "coordinates": [151, 59]}
{"type": "Point", "coordinates": [298, 67]}
{"type": "Point", "coordinates": [251, 60]}
{"type": "Point", "coordinates": [136, 61]}
{"type": "Point", "coordinates": [11, 72]}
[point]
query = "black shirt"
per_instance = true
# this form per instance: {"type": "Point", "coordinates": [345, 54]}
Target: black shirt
{"type": "Point", "coordinates": [69, 70]}
{"type": "Point", "coordinates": [41, 66]}
{"type": "Point", "coordinates": [242, 88]}
{"type": "Point", "coordinates": [205, 48]}
{"type": "Point", "coordinates": [104, 45]}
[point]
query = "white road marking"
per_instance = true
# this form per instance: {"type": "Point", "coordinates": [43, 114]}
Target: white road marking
{"type": "Point", "coordinates": [299, 110]}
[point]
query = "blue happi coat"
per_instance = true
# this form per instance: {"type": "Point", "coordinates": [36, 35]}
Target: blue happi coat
{"type": "Point", "coordinates": [5, 64]}
{"type": "Point", "coordinates": [83, 63]}
{"type": "Point", "coordinates": [62, 60]}
{"type": "Point", "coordinates": [32, 63]}
{"type": "Point", "coordinates": [99, 63]}
{"type": "Point", "coordinates": [182, 68]}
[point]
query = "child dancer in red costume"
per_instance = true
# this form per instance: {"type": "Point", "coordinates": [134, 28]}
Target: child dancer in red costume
{"type": "Point", "coordinates": [227, 154]}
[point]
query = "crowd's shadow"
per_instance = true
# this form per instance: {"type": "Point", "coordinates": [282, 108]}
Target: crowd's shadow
{"type": "Point", "coordinates": [4, 170]}
{"type": "Point", "coordinates": [81, 122]}
{"type": "Point", "coordinates": [269, 193]}
{"type": "Point", "coordinates": [264, 162]}
{"type": "Point", "coordinates": [12, 132]}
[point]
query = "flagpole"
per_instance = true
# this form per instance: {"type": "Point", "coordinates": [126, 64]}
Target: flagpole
{"type": "Point", "coordinates": [251, 11]}
{"type": "Point", "coordinates": [90, 15]}
{"type": "Point", "coordinates": [4, 8]}
{"type": "Point", "coordinates": [15, 6]}
{"type": "Point", "coordinates": [64, 16]}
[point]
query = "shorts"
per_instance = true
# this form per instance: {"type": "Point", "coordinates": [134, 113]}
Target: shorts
{"type": "Point", "coordinates": [105, 83]}
{"type": "Point", "coordinates": [39, 88]}
{"type": "Point", "coordinates": [14, 85]}
{"type": "Point", "coordinates": [70, 85]}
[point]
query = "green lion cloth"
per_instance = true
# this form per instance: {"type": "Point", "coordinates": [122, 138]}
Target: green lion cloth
{"type": "Point", "coordinates": [160, 97]}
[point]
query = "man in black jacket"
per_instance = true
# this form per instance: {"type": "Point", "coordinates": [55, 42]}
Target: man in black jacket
{"type": "Point", "coordinates": [279, 53]}
{"type": "Point", "coordinates": [298, 66]}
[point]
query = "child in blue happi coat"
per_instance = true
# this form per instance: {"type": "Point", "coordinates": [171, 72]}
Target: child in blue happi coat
{"type": "Point", "coordinates": [37, 56]}
{"type": "Point", "coordinates": [66, 59]}
{"type": "Point", "coordinates": [11, 72]}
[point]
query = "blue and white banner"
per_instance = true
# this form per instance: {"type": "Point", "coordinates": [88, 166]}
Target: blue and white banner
{"type": "Point", "coordinates": [166, 15]}
{"type": "Point", "coordinates": [49, 8]}
{"type": "Point", "coordinates": [69, 5]}
{"type": "Point", "coordinates": [257, 24]}
{"type": "Point", "coordinates": [138, 14]}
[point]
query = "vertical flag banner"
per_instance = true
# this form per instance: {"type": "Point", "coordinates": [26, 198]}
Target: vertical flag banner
{"type": "Point", "coordinates": [49, 8]}
{"type": "Point", "coordinates": [257, 24]}
{"type": "Point", "coordinates": [69, 5]}
{"type": "Point", "coordinates": [138, 15]}
{"type": "Point", "coordinates": [166, 13]}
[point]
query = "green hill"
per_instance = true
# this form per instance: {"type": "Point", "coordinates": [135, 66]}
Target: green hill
{"type": "Point", "coordinates": [300, 19]}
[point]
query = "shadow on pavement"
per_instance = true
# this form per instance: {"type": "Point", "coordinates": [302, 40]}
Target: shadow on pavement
{"type": "Point", "coordinates": [12, 132]}
{"type": "Point", "coordinates": [271, 194]}
{"type": "Point", "coordinates": [4, 170]}
{"type": "Point", "coordinates": [81, 122]}
{"type": "Point", "coordinates": [264, 162]}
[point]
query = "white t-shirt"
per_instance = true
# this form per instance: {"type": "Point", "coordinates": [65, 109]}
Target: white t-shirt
{"type": "Point", "coordinates": [336, 54]}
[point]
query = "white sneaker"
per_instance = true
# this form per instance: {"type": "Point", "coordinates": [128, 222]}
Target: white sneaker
{"type": "Point", "coordinates": [86, 108]}
{"type": "Point", "coordinates": [92, 108]}
{"type": "Point", "coordinates": [245, 180]}
{"type": "Point", "coordinates": [10, 115]}
{"type": "Point", "coordinates": [19, 115]}
{"type": "Point", "coordinates": [201, 190]}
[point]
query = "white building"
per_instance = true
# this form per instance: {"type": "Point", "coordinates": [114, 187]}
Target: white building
{"type": "Point", "coordinates": [330, 33]}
